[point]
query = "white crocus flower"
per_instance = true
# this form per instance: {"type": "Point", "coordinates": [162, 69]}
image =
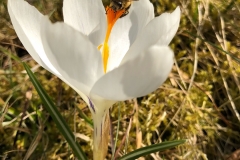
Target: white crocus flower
{"type": "Point", "coordinates": [104, 59]}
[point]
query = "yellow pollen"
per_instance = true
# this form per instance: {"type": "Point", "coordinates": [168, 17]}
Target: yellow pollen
{"type": "Point", "coordinates": [99, 47]}
{"type": "Point", "coordinates": [112, 17]}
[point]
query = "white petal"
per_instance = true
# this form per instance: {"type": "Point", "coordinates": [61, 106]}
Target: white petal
{"type": "Point", "coordinates": [138, 76]}
{"type": "Point", "coordinates": [119, 42]}
{"type": "Point", "coordinates": [142, 13]}
{"type": "Point", "coordinates": [26, 21]}
{"type": "Point", "coordinates": [171, 22]}
{"type": "Point", "coordinates": [86, 16]}
{"type": "Point", "coordinates": [74, 56]}
{"type": "Point", "coordinates": [157, 31]}
{"type": "Point", "coordinates": [126, 30]}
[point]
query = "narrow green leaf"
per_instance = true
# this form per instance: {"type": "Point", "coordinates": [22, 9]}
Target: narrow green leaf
{"type": "Point", "coordinates": [10, 54]}
{"type": "Point", "coordinates": [151, 149]}
{"type": "Point", "coordinates": [58, 119]}
{"type": "Point", "coordinates": [84, 116]}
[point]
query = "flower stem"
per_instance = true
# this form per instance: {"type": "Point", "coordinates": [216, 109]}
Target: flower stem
{"type": "Point", "coordinates": [100, 150]}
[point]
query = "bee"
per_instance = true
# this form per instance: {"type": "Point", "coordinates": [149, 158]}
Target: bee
{"type": "Point", "coordinates": [117, 5]}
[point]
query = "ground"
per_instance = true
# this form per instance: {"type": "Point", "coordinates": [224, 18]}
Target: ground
{"type": "Point", "coordinates": [199, 101]}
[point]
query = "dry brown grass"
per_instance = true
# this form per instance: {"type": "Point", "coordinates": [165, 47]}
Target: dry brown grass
{"type": "Point", "coordinates": [199, 102]}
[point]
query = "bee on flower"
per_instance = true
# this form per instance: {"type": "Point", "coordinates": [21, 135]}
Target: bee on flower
{"type": "Point", "coordinates": [103, 57]}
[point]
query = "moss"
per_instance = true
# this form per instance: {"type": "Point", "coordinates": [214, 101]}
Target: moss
{"type": "Point", "coordinates": [203, 114]}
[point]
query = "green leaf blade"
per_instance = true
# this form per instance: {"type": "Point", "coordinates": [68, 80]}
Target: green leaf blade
{"type": "Point", "coordinates": [57, 117]}
{"type": "Point", "coordinates": [151, 149]}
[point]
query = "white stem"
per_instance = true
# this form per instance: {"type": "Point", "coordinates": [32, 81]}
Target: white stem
{"type": "Point", "coordinates": [101, 134]}
{"type": "Point", "coordinates": [99, 108]}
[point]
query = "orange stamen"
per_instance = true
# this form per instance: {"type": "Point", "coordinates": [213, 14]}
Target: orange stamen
{"type": "Point", "coordinates": [112, 17]}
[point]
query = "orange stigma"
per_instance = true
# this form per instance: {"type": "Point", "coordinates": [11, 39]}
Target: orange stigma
{"type": "Point", "coordinates": [112, 17]}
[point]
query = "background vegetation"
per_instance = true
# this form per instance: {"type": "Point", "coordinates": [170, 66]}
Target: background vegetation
{"type": "Point", "coordinates": [199, 102]}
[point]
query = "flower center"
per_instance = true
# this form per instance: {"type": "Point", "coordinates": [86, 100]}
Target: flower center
{"type": "Point", "coordinates": [112, 17]}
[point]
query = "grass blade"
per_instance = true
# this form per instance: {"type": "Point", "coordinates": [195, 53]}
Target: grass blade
{"type": "Point", "coordinates": [116, 138]}
{"type": "Point", "coordinates": [84, 116]}
{"type": "Point", "coordinates": [215, 46]}
{"type": "Point", "coordinates": [58, 119]}
{"type": "Point", "coordinates": [151, 149]}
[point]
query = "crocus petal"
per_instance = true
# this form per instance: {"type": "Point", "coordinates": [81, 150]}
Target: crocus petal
{"type": "Point", "coordinates": [86, 16]}
{"type": "Point", "coordinates": [126, 30]}
{"type": "Point", "coordinates": [141, 13]}
{"type": "Point", "coordinates": [119, 43]}
{"type": "Point", "coordinates": [26, 21]}
{"type": "Point", "coordinates": [171, 22]}
{"type": "Point", "coordinates": [74, 56]}
{"type": "Point", "coordinates": [136, 77]}
{"type": "Point", "coordinates": [157, 31]}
